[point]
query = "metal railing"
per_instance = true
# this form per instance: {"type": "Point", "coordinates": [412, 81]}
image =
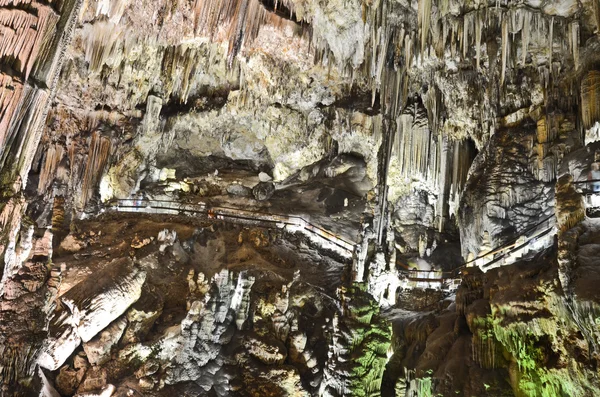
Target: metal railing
{"type": "Point", "coordinates": [501, 254]}
{"type": "Point", "coordinates": [591, 195]}
{"type": "Point", "coordinates": [442, 278]}
{"type": "Point", "coordinates": [232, 214]}
{"type": "Point", "coordinates": [586, 181]}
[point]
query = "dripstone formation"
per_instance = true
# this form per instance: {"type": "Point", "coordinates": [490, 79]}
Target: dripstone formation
{"type": "Point", "coordinates": [264, 198]}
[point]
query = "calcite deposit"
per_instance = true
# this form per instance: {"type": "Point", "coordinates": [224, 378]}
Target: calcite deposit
{"type": "Point", "coordinates": [265, 198]}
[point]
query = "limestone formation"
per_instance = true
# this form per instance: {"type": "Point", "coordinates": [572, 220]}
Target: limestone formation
{"type": "Point", "coordinates": [299, 198]}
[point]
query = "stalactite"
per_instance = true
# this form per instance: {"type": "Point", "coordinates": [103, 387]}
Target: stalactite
{"type": "Point", "coordinates": [590, 98]}
{"type": "Point", "coordinates": [478, 27]}
{"type": "Point", "coordinates": [100, 148]}
{"type": "Point", "coordinates": [505, 45]}
{"type": "Point", "coordinates": [596, 9]}
{"type": "Point", "coordinates": [525, 37]}
{"type": "Point", "coordinates": [574, 35]}
{"type": "Point", "coordinates": [461, 162]}
{"type": "Point", "coordinates": [424, 20]}
{"type": "Point", "coordinates": [465, 36]}
{"type": "Point", "coordinates": [101, 42]}
{"type": "Point", "coordinates": [242, 19]}
{"type": "Point", "coordinates": [551, 42]}
{"type": "Point", "coordinates": [54, 155]}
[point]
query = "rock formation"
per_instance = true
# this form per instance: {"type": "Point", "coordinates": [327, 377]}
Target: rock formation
{"type": "Point", "coordinates": [299, 197]}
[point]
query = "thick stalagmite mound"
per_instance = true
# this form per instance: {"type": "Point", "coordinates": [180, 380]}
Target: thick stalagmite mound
{"type": "Point", "coordinates": [299, 198]}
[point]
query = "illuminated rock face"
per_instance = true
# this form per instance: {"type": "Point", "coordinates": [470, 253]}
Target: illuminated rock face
{"type": "Point", "coordinates": [427, 133]}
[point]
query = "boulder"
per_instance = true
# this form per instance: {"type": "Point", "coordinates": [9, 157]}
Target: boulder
{"type": "Point", "coordinates": [91, 306]}
{"type": "Point", "coordinates": [142, 315]}
{"type": "Point", "coordinates": [95, 381]}
{"type": "Point", "coordinates": [99, 348]}
{"type": "Point", "coordinates": [264, 177]}
{"type": "Point", "coordinates": [267, 350]}
{"type": "Point", "coordinates": [101, 298]}
{"type": "Point", "coordinates": [235, 189]}
{"type": "Point", "coordinates": [68, 379]}
{"type": "Point", "coordinates": [263, 191]}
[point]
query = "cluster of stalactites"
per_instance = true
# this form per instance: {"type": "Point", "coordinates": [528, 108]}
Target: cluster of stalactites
{"type": "Point", "coordinates": [53, 157]}
{"type": "Point", "coordinates": [544, 149]}
{"type": "Point", "coordinates": [423, 153]}
{"type": "Point", "coordinates": [417, 148]}
{"type": "Point", "coordinates": [523, 31]}
{"type": "Point", "coordinates": [240, 19]}
{"type": "Point", "coordinates": [181, 66]}
{"type": "Point", "coordinates": [22, 37]}
{"type": "Point", "coordinates": [100, 148]}
{"type": "Point", "coordinates": [113, 9]}
{"type": "Point", "coordinates": [385, 39]}
{"type": "Point", "coordinates": [534, 29]}
{"type": "Point", "coordinates": [102, 44]}
{"type": "Point", "coordinates": [10, 95]}
{"type": "Point", "coordinates": [484, 349]}
{"type": "Point", "coordinates": [20, 139]}
{"type": "Point", "coordinates": [23, 33]}
{"type": "Point", "coordinates": [590, 98]}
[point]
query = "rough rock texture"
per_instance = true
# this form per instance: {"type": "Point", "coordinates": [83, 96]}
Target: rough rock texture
{"type": "Point", "coordinates": [510, 331]}
{"type": "Point", "coordinates": [412, 137]}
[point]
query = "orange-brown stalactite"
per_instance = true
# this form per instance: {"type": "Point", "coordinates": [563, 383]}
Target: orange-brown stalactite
{"type": "Point", "coordinates": [10, 94]}
{"type": "Point", "coordinates": [100, 148]}
{"type": "Point", "coordinates": [54, 155]}
{"type": "Point", "coordinates": [33, 38]}
{"type": "Point", "coordinates": [590, 98]}
{"type": "Point", "coordinates": [22, 34]}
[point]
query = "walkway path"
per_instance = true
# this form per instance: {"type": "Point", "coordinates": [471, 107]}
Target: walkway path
{"type": "Point", "coordinates": [590, 190]}
{"type": "Point", "coordinates": [533, 239]}
{"type": "Point", "coordinates": [323, 237]}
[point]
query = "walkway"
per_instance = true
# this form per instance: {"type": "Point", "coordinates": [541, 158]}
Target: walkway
{"type": "Point", "coordinates": [590, 190]}
{"type": "Point", "coordinates": [291, 223]}
{"type": "Point", "coordinates": [533, 239]}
